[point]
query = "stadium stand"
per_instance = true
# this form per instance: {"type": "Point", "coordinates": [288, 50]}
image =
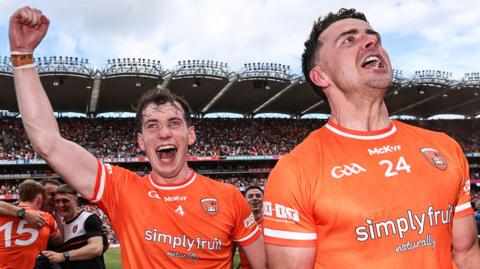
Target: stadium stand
{"type": "Point", "coordinates": [238, 151]}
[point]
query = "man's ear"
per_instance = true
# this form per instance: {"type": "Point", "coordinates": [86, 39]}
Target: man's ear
{"type": "Point", "coordinates": [38, 200]}
{"type": "Point", "coordinates": [141, 142]}
{"type": "Point", "coordinates": [319, 77]}
{"type": "Point", "coordinates": [191, 135]}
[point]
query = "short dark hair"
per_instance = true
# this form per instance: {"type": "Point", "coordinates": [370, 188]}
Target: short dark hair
{"type": "Point", "coordinates": [29, 189]}
{"type": "Point", "coordinates": [161, 97]}
{"type": "Point", "coordinates": [312, 45]}
{"type": "Point", "coordinates": [252, 188]}
{"type": "Point", "coordinates": [66, 189]}
{"type": "Point", "coordinates": [52, 181]}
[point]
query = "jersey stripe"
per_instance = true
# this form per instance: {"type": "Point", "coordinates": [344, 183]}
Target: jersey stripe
{"type": "Point", "coordinates": [361, 137]}
{"type": "Point", "coordinates": [99, 194]}
{"type": "Point", "coordinates": [289, 235]}
{"type": "Point", "coordinates": [248, 236]}
{"type": "Point", "coordinates": [464, 206]}
{"type": "Point", "coordinates": [173, 187]}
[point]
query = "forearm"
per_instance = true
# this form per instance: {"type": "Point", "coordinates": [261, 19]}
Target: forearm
{"type": "Point", "coordinates": [7, 209]}
{"type": "Point", "coordinates": [91, 250]}
{"type": "Point", "coordinates": [37, 114]}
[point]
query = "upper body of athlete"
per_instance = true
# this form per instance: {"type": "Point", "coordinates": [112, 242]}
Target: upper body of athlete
{"type": "Point", "coordinates": [165, 135]}
{"type": "Point", "coordinates": [254, 197]}
{"type": "Point", "coordinates": [344, 60]}
{"type": "Point", "coordinates": [20, 242]}
{"type": "Point", "coordinates": [34, 217]}
{"type": "Point", "coordinates": [83, 242]}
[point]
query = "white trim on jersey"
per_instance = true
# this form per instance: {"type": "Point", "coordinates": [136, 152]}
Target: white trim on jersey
{"type": "Point", "coordinates": [361, 137]}
{"type": "Point", "coordinates": [289, 235]}
{"type": "Point", "coordinates": [463, 207]}
{"type": "Point", "coordinates": [101, 188]}
{"type": "Point", "coordinates": [173, 187]}
{"type": "Point", "coordinates": [248, 236]}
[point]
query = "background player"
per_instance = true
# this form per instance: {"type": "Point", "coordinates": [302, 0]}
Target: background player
{"type": "Point", "coordinates": [254, 197]}
{"type": "Point", "coordinates": [364, 191]}
{"type": "Point", "coordinates": [174, 207]}
{"type": "Point", "coordinates": [35, 217]}
{"type": "Point", "coordinates": [20, 243]}
{"type": "Point", "coordinates": [83, 244]}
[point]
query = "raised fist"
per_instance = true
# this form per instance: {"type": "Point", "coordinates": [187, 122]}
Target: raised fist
{"type": "Point", "coordinates": [27, 28]}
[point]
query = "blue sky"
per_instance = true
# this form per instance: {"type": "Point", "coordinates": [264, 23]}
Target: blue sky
{"type": "Point", "coordinates": [418, 34]}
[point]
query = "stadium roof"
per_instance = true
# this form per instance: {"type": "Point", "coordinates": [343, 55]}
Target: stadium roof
{"type": "Point", "coordinates": [73, 85]}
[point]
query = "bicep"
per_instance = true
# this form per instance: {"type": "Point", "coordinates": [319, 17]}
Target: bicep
{"type": "Point", "coordinates": [93, 226]}
{"type": "Point", "coordinates": [255, 253]}
{"type": "Point", "coordinates": [290, 257]}
{"type": "Point", "coordinates": [96, 241]}
{"type": "Point", "coordinates": [464, 236]}
{"type": "Point", "coordinates": [75, 165]}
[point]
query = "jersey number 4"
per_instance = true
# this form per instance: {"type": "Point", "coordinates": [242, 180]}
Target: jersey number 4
{"type": "Point", "coordinates": [7, 227]}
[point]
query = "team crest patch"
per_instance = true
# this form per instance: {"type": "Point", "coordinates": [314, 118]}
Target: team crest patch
{"type": "Point", "coordinates": [434, 158]}
{"type": "Point", "coordinates": [210, 206]}
{"type": "Point", "coordinates": [75, 228]}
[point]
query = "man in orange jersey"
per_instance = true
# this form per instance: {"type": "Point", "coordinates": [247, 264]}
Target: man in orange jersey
{"type": "Point", "coordinates": [35, 217]}
{"type": "Point", "coordinates": [170, 218]}
{"type": "Point", "coordinates": [254, 197]}
{"type": "Point", "coordinates": [20, 243]}
{"type": "Point", "coordinates": [364, 191]}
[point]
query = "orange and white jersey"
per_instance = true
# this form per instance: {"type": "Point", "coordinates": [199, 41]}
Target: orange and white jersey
{"type": "Point", "coordinates": [20, 243]}
{"type": "Point", "coordinates": [382, 199]}
{"type": "Point", "coordinates": [190, 225]}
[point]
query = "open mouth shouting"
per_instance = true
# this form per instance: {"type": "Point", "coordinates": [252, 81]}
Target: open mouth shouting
{"type": "Point", "coordinates": [166, 153]}
{"type": "Point", "coordinates": [375, 62]}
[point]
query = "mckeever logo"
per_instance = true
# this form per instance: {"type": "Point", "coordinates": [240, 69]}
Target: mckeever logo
{"type": "Point", "coordinates": [384, 149]}
{"type": "Point", "coordinates": [176, 198]}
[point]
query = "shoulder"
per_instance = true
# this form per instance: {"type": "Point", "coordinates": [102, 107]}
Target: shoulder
{"type": "Point", "coordinates": [304, 155]}
{"type": "Point", "coordinates": [108, 170]}
{"type": "Point", "coordinates": [215, 185]}
{"type": "Point", "coordinates": [421, 133]}
{"type": "Point", "coordinates": [48, 216]}
{"type": "Point", "coordinates": [92, 222]}
{"type": "Point", "coordinates": [405, 127]}
{"type": "Point", "coordinates": [91, 218]}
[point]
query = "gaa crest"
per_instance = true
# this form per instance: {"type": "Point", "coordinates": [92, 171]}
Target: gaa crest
{"type": "Point", "coordinates": [210, 206]}
{"type": "Point", "coordinates": [75, 228]}
{"type": "Point", "coordinates": [434, 158]}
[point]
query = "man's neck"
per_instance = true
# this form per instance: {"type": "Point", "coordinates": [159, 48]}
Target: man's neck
{"type": "Point", "coordinates": [27, 204]}
{"type": "Point", "coordinates": [258, 215]}
{"type": "Point", "coordinates": [182, 177]}
{"type": "Point", "coordinates": [360, 114]}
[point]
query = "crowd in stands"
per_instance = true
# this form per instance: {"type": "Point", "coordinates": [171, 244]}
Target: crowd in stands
{"type": "Point", "coordinates": [9, 186]}
{"type": "Point", "coordinates": [244, 181]}
{"type": "Point", "coordinates": [466, 132]}
{"type": "Point", "coordinates": [107, 228]}
{"type": "Point", "coordinates": [116, 137]}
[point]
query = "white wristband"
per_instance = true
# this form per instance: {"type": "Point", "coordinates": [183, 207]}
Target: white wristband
{"type": "Point", "coordinates": [20, 53]}
{"type": "Point", "coordinates": [25, 66]}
